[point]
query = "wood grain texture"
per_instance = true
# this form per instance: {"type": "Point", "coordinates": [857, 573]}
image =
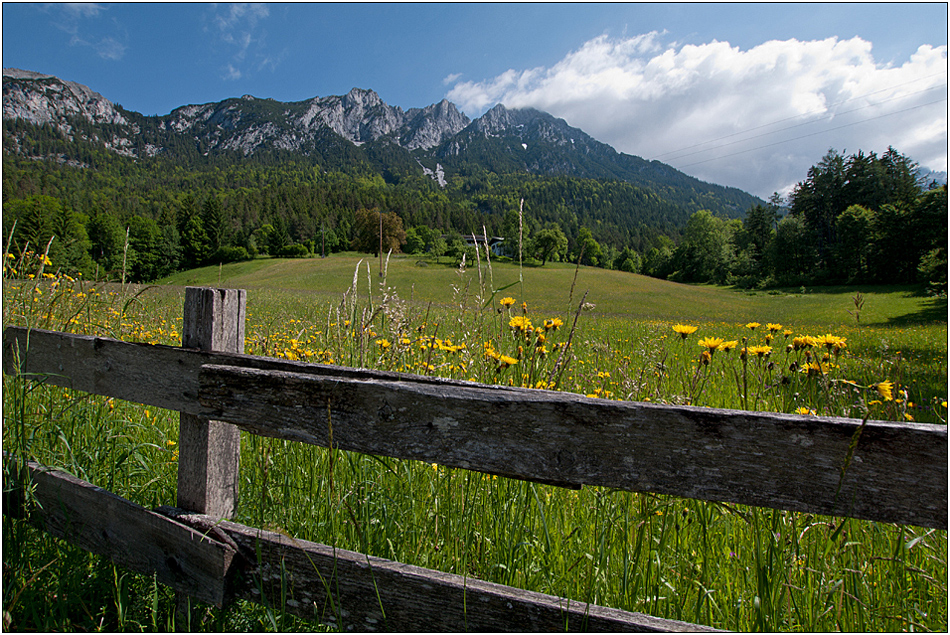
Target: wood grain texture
{"type": "Point", "coordinates": [98, 521]}
{"type": "Point", "coordinates": [352, 591]}
{"type": "Point", "coordinates": [898, 473]}
{"type": "Point", "coordinates": [210, 451]}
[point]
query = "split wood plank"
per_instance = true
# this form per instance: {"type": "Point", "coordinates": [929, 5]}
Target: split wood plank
{"type": "Point", "coordinates": [353, 591]}
{"type": "Point", "coordinates": [101, 522]}
{"type": "Point", "coordinates": [898, 472]}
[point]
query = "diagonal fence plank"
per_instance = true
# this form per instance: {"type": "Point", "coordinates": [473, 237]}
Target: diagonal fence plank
{"type": "Point", "coordinates": [353, 591]}
{"type": "Point", "coordinates": [898, 471]}
{"type": "Point", "coordinates": [101, 522]}
{"type": "Point", "coordinates": [218, 561]}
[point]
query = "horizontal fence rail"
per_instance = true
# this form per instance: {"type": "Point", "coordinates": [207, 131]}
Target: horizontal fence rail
{"type": "Point", "coordinates": [875, 470]}
{"type": "Point", "coordinates": [217, 561]}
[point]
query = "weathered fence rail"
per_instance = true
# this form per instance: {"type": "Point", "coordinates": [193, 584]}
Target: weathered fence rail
{"type": "Point", "coordinates": [876, 470]}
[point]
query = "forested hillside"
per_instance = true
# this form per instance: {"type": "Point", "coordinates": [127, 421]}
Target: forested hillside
{"type": "Point", "coordinates": [179, 217]}
{"type": "Point", "coordinates": [119, 195]}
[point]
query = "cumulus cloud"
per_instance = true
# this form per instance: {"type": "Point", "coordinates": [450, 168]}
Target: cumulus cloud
{"type": "Point", "coordinates": [755, 119]}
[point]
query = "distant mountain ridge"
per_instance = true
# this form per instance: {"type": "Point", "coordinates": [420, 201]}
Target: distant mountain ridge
{"type": "Point", "coordinates": [438, 140]}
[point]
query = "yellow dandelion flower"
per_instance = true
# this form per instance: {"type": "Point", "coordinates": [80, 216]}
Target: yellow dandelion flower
{"type": "Point", "coordinates": [684, 330]}
{"type": "Point", "coordinates": [804, 341]}
{"type": "Point", "coordinates": [752, 325]}
{"type": "Point", "coordinates": [830, 341]}
{"type": "Point", "coordinates": [725, 347]}
{"type": "Point", "coordinates": [554, 323]}
{"type": "Point", "coordinates": [711, 343]}
{"type": "Point", "coordinates": [520, 323]}
{"type": "Point", "coordinates": [814, 369]}
{"type": "Point", "coordinates": [383, 343]}
{"type": "Point", "coordinates": [507, 302]}
{"type": "Point", "coordinates": [773, 327]}
{"type": "Point", "coordinates": [804, 411]}
{"type": "Point", "coordinates": [504, 361]}
{"type": "Point", "coordinates": [885, 388]}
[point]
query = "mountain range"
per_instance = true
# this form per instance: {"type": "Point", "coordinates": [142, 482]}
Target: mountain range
{"type": "Point", "coordinates": [356, 128]}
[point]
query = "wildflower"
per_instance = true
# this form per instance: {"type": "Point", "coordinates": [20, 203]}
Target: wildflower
{"type": "Point", "coordinates": [773, 328]}
{"type": "Point", "coordinates": [520, 323]}
{"type": "Point", "coordinates": [761, 351]}
{"type": "Point", "coordinates": [804, 411]}
{"type": "Point", "coordinates": [504, 361]}
{"type": "Point", "coordinates": [706, 357]}
{"type": "Point", "coordinates": [383, 343]}
{"type": "Point", "coordinates": [786, 333]}
{"type": "Point", "coordinates": [805, 341]}
{"type": "Point", "coordinates": [554, 323]}
{"type": "Point", "coordinates": [884, 389]}
{"type": "Point", "coordinates": [752, 326]}
{"type": "Point", "coordinates": [507, 302]}
{"type": "Point", "coordinates": [725, 347]}
{"type": "Point", "coordinates": [684, 330]}
{"type": "Point", "coordinates": [814, 369]}
{"type": "Point", "coordinates": [830, 341]}
{"type": "Point", "coordinates": [711, 343]}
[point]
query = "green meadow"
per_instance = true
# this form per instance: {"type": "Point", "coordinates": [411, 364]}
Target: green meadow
{"type": "Point", "coordinates": [605, 334]}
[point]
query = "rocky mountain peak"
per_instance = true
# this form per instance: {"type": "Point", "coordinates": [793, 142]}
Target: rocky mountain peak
{"type": "Point", "coordinates": [43, 99]}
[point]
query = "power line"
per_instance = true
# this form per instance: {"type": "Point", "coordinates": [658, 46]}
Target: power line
{"type": "Point", "coordinates": [806, 123]}
{"type": "Point", "coordinates": [768, 145]}
{"type": "Point", "coordinates": [813, 112]}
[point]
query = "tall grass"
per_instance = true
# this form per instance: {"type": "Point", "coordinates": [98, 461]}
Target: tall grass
{"type": "Point", "coordinates": [722, 565]}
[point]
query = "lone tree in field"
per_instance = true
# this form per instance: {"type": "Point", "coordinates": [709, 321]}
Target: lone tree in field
{"type": "Point", "coordinates": [366, 231]}
{"type": "Point", "coordinates": [551, 243]}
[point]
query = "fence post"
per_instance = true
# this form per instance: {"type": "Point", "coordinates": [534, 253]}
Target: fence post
{"type": "Point", "coordinates": [209, 451]}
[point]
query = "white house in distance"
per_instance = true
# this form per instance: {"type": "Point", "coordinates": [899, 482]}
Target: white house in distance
{"type": "Point", "coordinates": [494, 243]}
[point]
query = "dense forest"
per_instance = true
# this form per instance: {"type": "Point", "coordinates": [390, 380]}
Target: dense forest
{"type": "Point", "coordinates": [861, 218]}
{"type": "Point", "coordinates": [855, 219]}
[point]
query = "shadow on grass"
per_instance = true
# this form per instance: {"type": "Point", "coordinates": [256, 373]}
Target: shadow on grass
{"type": "Point", "coordinates": [934, 310]}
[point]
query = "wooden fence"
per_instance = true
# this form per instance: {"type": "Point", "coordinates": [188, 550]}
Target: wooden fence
{"type": "Point", "coordinates": [875, 470]}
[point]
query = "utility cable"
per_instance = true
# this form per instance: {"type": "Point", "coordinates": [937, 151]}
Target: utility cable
{"type": "Point", "coordinates": [813, 112]}
{"type": "Point", "coordinates": [848, 125]}
{"type": "Point", "coordinates": [799, 125]}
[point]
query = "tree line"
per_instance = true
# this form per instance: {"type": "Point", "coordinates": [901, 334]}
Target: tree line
{"type": "Point", "coordinates": [861, 218]}
{"type": "Point", "coordinates": [855, 219]}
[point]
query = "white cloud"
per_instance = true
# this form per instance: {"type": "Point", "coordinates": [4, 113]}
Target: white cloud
{"type": "Point", "coordinates": [110, 48]}
{"type": "Point", "coordinates": [451, 79]}
{"type": "Point", "coordinates": [230, 72]}
{"type": "Point", "coordinates": [237, 27]}
{"type": "Point", "coordinates": [81, 9]}
{"type": "Point", "coordinates": [77, 19]}
{"type": "Point", "coordinates": [755, 119]}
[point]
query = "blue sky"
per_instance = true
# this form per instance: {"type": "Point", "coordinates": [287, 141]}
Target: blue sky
{"type": "Point", "coordinates": [765, 88]}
